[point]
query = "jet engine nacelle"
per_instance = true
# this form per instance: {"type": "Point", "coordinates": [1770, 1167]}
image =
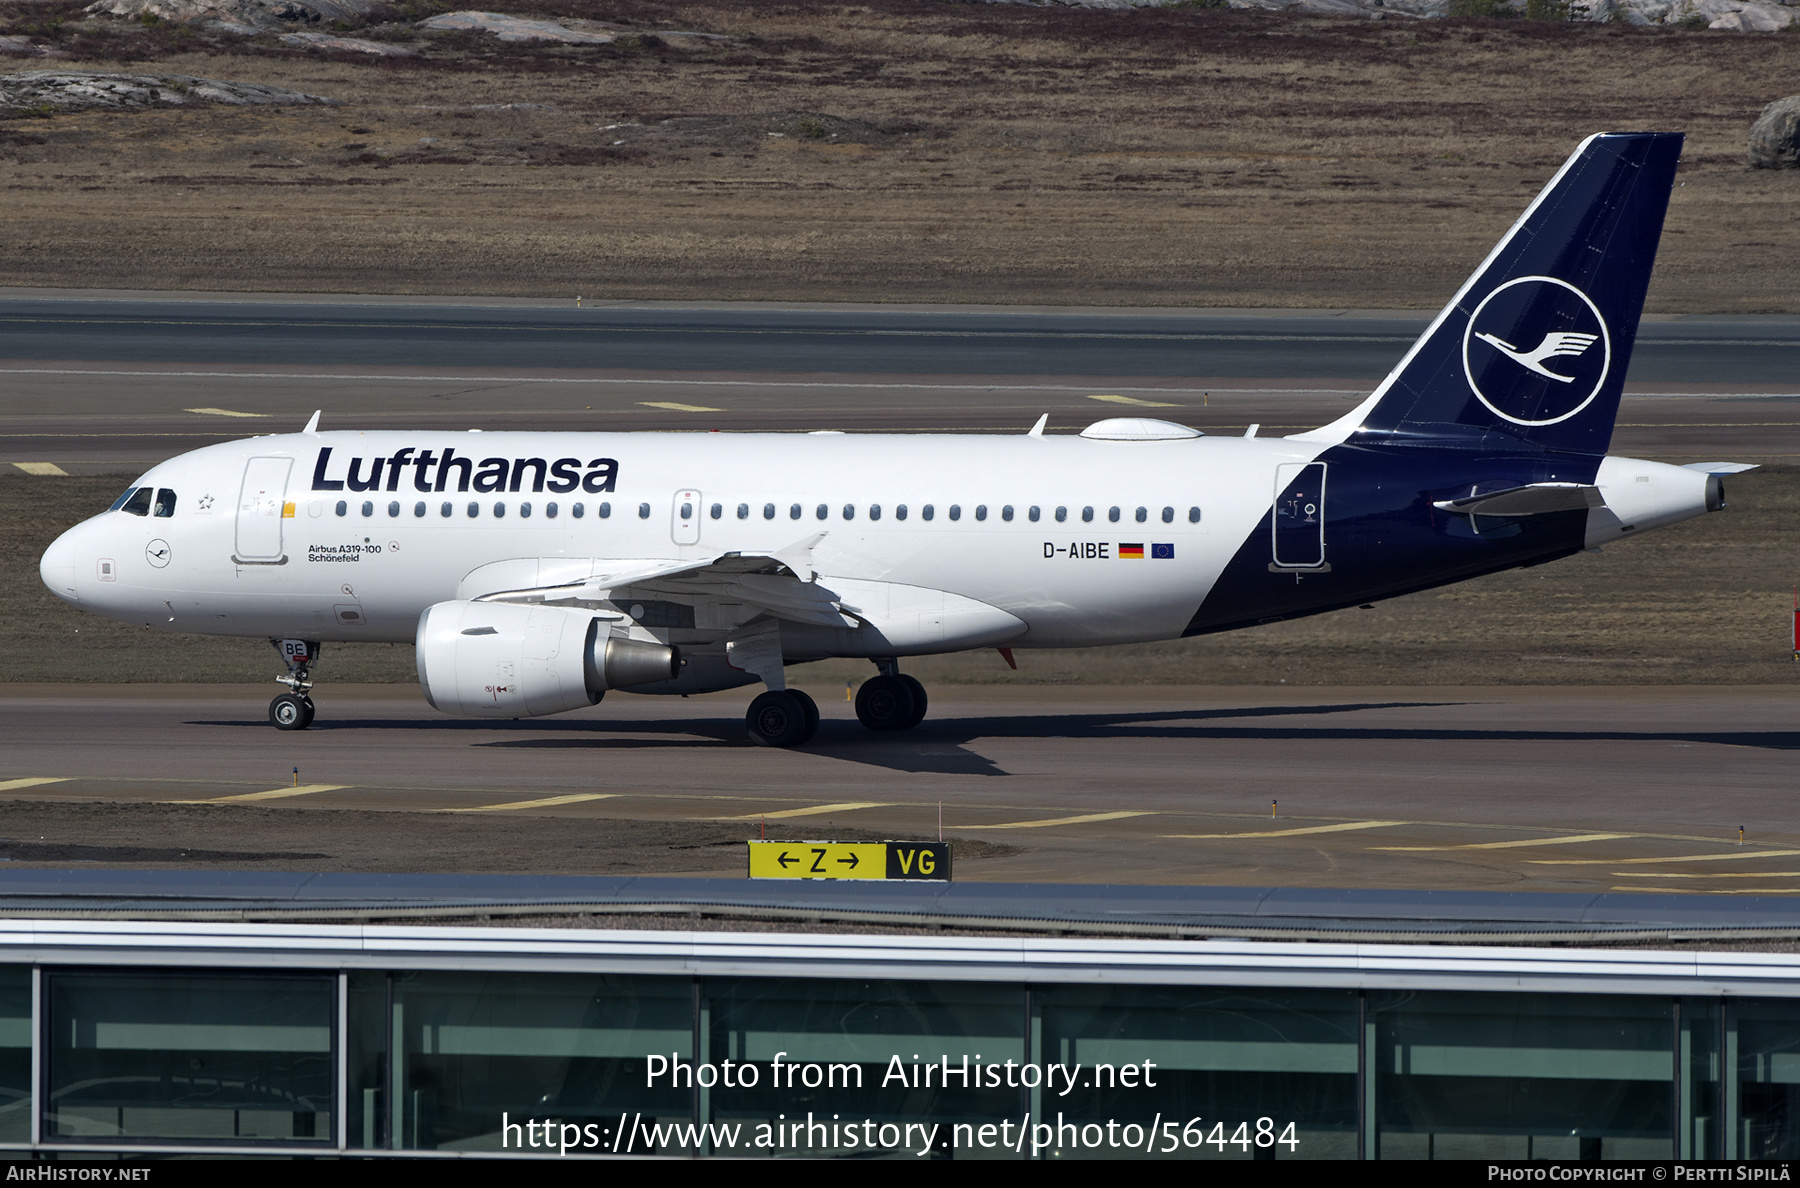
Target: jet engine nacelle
{"type": "Point", "coordinates": [511, 660]}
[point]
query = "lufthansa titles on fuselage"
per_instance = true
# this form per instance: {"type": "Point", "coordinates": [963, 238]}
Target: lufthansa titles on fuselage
{"type": "Point", "coordinates": [432, 472]}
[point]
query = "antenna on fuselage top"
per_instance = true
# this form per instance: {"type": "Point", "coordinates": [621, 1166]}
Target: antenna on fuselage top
{"type": "Point", "coordinates": [312, 426]}
{"type": "Point", "coordinates": [1037, 430]}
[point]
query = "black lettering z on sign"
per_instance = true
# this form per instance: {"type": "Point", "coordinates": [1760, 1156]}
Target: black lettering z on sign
{"type": "Point", "coordinates": [921, 860]}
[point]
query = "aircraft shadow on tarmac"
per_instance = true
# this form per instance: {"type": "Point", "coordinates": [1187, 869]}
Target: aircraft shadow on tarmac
{"type": "Point", "coordinates": [941, 745]}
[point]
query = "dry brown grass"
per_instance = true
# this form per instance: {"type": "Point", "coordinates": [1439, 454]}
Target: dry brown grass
{"type": "Point", "coordinates": [1018, 154]}
{"type": "Point", "coordinates": [1705, 602]}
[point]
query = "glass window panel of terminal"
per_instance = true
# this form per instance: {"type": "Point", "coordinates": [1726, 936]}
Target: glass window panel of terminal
{"type": "Point", "coordinates": [1229, 1056]}
{"type": "Point", "coordinates": [1761, 1041]}
{"type": "Point", "coordinates": [1460, 1075]}
{"type": "Point", "coordinates": [189, 1057]}
{"type": "Point", "coordinates": [15, 1053]}
{"type": "Point", "coordinates": [849, 1030]}
{"type": "Point", "coordinates": [463, 1049]}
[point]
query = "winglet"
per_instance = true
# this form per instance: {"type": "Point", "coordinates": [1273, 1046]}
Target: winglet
{"type": "Point", "coordinates": [798, 557]}
{"type": "Point", "coordinates": [312, 426]}
{"type": "Point", "coordinates": [1037, 430]}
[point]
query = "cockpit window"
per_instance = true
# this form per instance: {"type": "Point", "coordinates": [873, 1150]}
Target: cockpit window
{"type": "Point", "coordinates": [120, 501]}
{"type": "Point", "coordinates": [165, 503]}
{"type": "Point", "coordinates": [139, 502]}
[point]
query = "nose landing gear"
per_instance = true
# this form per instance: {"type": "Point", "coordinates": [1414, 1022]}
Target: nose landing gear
{"type": "Point", "coordinates": [293, 710]}
{"type": "Point", "coordinates": [891, 700]}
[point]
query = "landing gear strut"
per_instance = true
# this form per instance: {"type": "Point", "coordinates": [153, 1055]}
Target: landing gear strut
{"type": "Point", "coordinates": [891, 700]}
{"type": "Point", "coordinates": [293, 710]}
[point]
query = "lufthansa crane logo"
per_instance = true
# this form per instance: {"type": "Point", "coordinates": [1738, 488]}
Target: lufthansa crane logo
{"type": "Point", "coordinates": [1536, 351]}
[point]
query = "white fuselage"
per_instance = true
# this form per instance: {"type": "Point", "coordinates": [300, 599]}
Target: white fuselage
{"type": "Point", "coordinates": [368, 572]}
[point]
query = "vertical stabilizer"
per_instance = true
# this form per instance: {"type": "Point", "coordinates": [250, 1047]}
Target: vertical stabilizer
{"type": "Point", "coordinates": [1535, 346]}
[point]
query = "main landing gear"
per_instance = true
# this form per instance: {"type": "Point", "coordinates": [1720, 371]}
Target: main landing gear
{"type": "Point", "coordinates": [293, 710]}
{"type": "Point", "coordinates": [891, 700]}
{"type": "Point", "coordinates": [782, 718]}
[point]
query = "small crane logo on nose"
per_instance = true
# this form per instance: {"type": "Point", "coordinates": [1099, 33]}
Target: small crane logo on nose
{"type": "Point", "coordinates": [157, 552]}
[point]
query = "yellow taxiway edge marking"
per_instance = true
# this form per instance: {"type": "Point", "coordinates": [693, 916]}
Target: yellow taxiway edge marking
{"type": "Point", "coordinates": [1730, 874]}
{"type": "Point", "coordinates": [1111, 399]}
{"type": "Point", "coordinates": [1345, 828]}
{"type": "Point", "coordinates": [1725, 890]}
{"type": "Point", "coordinates": [274, 793]}
{"type": "Point", "coordinates": [31, 782]}
{"type": "Point", "coordinates": [816, 810]}
{"type": "Point", "coordinates": [1060, 821]}
{"type": "Point", "coordinates": [222, 412]}
{"type": "Point", "coordinates": [546, 802]}
{"type": "Point", "coordinates": [44, 468]}
{"type": "Point", "coordinates": [1509, 845]}
{"type": "Point", "coordinates": [1652, 861]}
{"type": "Point", "coordinates": [674, 406]}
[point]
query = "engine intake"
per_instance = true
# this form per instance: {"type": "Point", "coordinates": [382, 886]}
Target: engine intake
{"type": "Point", "coordinates": [510, 660]}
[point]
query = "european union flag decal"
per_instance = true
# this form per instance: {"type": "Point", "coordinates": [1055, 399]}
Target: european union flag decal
{"type": "Point", "coordinates": [1162, 552]}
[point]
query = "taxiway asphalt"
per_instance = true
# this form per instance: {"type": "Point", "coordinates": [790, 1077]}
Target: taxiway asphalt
{"type": "Point", "coordinates": [1546, 789]}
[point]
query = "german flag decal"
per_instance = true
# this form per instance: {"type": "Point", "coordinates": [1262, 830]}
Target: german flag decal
{"type": "Point", "coordinates": [1131, 552]}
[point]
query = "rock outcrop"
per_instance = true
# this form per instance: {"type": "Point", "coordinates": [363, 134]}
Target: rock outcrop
{"type": "Point", "coordinates": [512, 28]}
{"type": "Point", "coordinates": [247, 17]}
{"type": "Point", "coordinates": [1741, 16]}
{"type": "Point", "coordinates": [75, 90]}
{"type": "Point", "coordinates": [1775, 137]}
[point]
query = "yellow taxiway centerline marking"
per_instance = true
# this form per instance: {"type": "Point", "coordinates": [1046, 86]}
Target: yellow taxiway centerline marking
{"type": "Point", "coordinates": [31, 782]}
{"type": "Point", "coordinates": [42, 468]}
{"type": "Point", "coordinates": [1061, 821]}
{"type": "Point", "coordinates": [1652, 861]}
{"type": "Point", "coordinates": [1345, 828]}
{"type": "Point", "coordinates": [222, 412]}
{"type": "Point", "coordinates": [816, 810]}
{"type": "Point", "coordinates": [546, 802]}
{"type": "Point", "coordinates": [1509, 845]}
{"type": "Point", "coordinates": [674, 406]}
{"type": "Point", "coordinates": [1112, 399]}
{"type": "Point", "coordinates": [274, 793]}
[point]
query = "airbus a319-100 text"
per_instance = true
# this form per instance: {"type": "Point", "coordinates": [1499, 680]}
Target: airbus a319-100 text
{"type": "Point", "coordinates": [534, 572]}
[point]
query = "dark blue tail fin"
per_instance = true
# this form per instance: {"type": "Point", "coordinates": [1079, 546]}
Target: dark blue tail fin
{"type": "Point", "coordinates": [1535, 346]}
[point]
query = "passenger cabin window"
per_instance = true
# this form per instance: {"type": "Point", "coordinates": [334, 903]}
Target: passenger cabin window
{"type": "Point", "coordinates": [343, 508]}
{"type": "Point", "coordinates": [768, 511]}
{"type": "Point", "coordinates": [139, 502]}
{"type": "Point", "coordinates": [981, 511]}
{"type": "Point", "coordinates": [525, 510]}
{"type": "Point", "coordinates": [474, 510]}
{"type": "Point", "coordinates": [822, 511]}
{"type": "Point", "coordinates": [1168, 515]}
{"type": "Point", "coordinates": [368, 507]}
{"type": "Point", "coordinates": [1143, 513]}
{"type": "Point", "coordinates": [743, 511]}
{"type": "Point", "coordinates": [900, 511]}
{"type": "Point", "coordinates": [849, 511]}
{"type": "Point", "coordinates": [926, 512]}
{"type": "Point", "coordinates": [1062, 513]}
{"type": "Point", "coordinates": [874, 511]}
{"type": "Point", "coordinates": [1193, 515]}
{"type": "Point", "coordinates": [1087, 515]}
{"type": "Point", "coordinates": [444, 509]}
{"type": "Point", "coordinates": [1006, 513]}
{"type": "Point", "coordinates": [550, 509]}
{"type": "Point", "coordinates": [1113, 514]}
{"type": "Point", "coordinates": [604, 510]}
{"type": "Point", "coordinates": [687, 511]}
{"type": "Point", "coordinates": [1032, 515]}
{"type": "Point", "coordinates": [956, 511]}
{"type": "Point", "coordinates": [579, 510]}
{"type": "Point", "coordinates": [718, 511]}
{"type": "Point", "coordinates": [500, 510]}
{"type": "Point", "coordinates": [794, 511]}
{"type": "Point", "coordinates": [393, 507]}
{"type": "Point", "coordinates": [643, 511]}
{"type": "Point", "coordinates": [419, 509]}
{"type": "Point", "coordinates": [165, 503]}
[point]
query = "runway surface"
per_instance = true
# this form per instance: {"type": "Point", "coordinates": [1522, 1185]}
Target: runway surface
{"type": "Point", "coordinates": [116, 385]}
{"type": "Point", "coordinates": [1566, 789]}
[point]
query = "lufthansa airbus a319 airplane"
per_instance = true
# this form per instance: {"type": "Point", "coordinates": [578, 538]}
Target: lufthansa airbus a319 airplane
{"type": "Point", "coordinates": [536, 571]}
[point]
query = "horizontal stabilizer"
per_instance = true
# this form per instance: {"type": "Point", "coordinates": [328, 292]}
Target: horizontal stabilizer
{"type": "Point", "coordinates": [1535, 499]}
{"type": "Point", "coordinates": [1720, 467]}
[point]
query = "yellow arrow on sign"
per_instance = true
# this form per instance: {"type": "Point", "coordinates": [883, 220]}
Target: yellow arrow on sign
{"type": "Point", "coordinates": [818, 860]}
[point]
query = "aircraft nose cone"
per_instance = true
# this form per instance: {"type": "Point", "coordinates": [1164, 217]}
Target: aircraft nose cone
{"type": "Point", "coordinates": [57, 568]}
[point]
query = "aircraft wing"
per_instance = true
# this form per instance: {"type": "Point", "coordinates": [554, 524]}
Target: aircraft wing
{"type": "Point", "coordinates": [1533, 499]}
{"type": "Point", "coordinates": [782, 584]}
